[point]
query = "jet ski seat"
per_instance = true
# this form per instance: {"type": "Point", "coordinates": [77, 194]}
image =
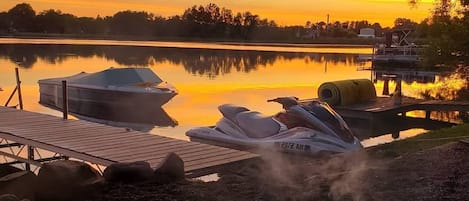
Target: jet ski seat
{"type": "Point", "coordinates": [230, 111]}
{"type": "Point", "coordinates": [257, 125]}
{"type": "Point", "coordinates": [253, 123]}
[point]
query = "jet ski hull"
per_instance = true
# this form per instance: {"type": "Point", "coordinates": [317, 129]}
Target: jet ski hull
{"type": "Point", "coordinates": [297, 140]}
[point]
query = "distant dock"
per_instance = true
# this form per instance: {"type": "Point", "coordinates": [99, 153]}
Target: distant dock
{"type": "Point", "coordinates": [380, 114]}
{"type": "Point", "coordinates": [383, 107]}
{"type": "Point", "coordinates": [101, 145]}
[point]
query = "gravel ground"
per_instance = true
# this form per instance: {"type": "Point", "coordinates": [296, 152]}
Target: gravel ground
{"type": "Point", "coordinates": [440, 173]}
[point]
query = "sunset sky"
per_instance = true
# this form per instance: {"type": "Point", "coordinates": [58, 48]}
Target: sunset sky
{"type": "Point", "coordinates": [293, 12]}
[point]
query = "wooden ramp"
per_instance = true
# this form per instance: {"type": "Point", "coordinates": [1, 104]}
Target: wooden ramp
{"type": "Point", "coordinates": [103, 145]}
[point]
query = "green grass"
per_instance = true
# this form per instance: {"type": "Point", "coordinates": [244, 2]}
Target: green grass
{"type": "Point", "coordinates": [421, 142]}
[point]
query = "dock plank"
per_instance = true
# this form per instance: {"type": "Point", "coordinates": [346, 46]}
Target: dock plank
{"type": "Point", "coordinates": [227, 161]}
{"type": "Point", "coordinates": [97, 147]}
{"type": "Point", "coordinates": [200, 154]}
{"type": "Point", "coordinates": [200, 160]}
{"type": "Point", "coordinates": [163, 149]}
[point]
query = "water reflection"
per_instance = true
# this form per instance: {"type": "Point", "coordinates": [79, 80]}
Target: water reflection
{"type": "Point", "coordinates": [209, 62]}
{"type": "Point", "coordinates": [141, 120]}
{"type": "Point", "coordinates": [366, 129]}
{"type": "Point", "coordinates": [408, 76]}
{"type": "Point", "coordinates": [430, 85]}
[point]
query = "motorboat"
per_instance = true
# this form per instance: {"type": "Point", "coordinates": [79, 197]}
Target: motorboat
{"type": "Point", "coordinates": [397, 49]}
{"type": "Point", "coordinates": [323, 130]}
{"type": "Point", "coordinates": [108, 92]}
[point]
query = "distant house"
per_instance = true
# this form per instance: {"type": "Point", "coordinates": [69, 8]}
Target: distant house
{"type": "Point", "coordinates": [367, 33]}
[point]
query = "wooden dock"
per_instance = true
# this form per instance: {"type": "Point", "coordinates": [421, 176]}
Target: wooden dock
{"type": "Point", "coordinates": [383, 115]}
{"type": "Point", "coordinates": [103, 145]}
{"type": "Point", "coordinates": [384, 107]}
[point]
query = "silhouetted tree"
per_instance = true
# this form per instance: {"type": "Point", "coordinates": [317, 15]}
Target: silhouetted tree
{"type": "Point", "coordinates": [378, 29]}
{"type": "Point", "coordinates": [4, 22]}
{"type": "Point", "coordinates": [447, 35]}
{"type": "Point", "coordinates": [131, 23]}
{"type": "Point", "coordinates": [421, 31]}
{"type": "Point", "coordinates": [50, 21]}
{"type": "Point", "coordinates": [404, 23]}
{"type": "Point", "coordinates": [22, 17]}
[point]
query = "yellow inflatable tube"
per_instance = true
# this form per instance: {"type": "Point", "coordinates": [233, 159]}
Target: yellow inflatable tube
{"type": "Point", "coordinates": [347, 92]}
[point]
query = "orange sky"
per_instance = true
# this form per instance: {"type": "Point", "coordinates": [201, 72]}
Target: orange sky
{"type": "Point", "coordinates": [295, 12]}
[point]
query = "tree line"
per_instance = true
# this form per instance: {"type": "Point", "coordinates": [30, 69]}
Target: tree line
{"type": "Point", "coordinates": [208, 21]}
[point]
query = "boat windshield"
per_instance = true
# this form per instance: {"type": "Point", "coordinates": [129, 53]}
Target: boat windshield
{"type": "Point", "coordinates": [331, 119]}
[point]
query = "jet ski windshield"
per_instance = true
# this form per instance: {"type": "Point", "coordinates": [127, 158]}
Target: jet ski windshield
{"type": "Point", "coordinates": [330, 118]}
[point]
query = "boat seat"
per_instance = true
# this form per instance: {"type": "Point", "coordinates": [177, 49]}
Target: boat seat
{"type": "Point", "coordinates": [257, 125]}
{"type": "Point", "coordinates": [230, 111]}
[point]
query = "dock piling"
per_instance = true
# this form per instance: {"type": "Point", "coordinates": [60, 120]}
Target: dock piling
{"type": "Point", "coordinates": [18, 87]}
{"type": "Point", "coordinates": [64, 100]}
{"type": "Point", "coordinates": [30, 157]}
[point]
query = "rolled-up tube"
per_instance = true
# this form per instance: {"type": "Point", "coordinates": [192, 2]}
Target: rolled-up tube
{"type": "Point", "coordinates": [346, 92]}
{"type": "Point", "coordinates": [330, 93]}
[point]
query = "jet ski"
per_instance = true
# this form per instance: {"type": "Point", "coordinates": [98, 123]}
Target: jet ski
{"type": "Point", "coordinates": [323, 130]}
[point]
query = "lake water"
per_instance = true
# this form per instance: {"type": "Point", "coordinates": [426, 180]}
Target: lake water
{"type": "Point", "coordinates": [205, 74]}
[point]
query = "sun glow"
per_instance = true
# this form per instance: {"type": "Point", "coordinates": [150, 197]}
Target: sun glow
{"type": "Point", "coordinates": [283, 12]}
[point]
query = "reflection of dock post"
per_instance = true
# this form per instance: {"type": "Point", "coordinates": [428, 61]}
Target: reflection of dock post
{"type": "Point", "coordinates": [64, 100]}
{"type": "Point", "coordinates": [398, 86]}
{"type": "Point", "coordinates": [325, 66]}
{"type": "Point", "coordinates": [428, 114]}
{"type": "Point", "coordinates": [386, 86]}
{"type": "Point", "coordinates": [397, 96]}
{"type": "Point", "coordinates": [395, 135]}
{"type": "Point", "coordinates": [386, 79]}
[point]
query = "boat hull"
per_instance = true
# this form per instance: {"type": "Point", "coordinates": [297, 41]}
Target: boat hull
{"type": "Point", "coordinates": [99, 102]}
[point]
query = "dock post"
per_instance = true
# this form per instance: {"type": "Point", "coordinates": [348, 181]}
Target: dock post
{"type": "Point", "coordinates": [30, 157]}
{"type": "Point", "coordinates": [18, 87]}
{"type": "Point", "coordinates": [64, 100]}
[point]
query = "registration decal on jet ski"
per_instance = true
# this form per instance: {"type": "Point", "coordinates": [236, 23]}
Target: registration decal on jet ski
{"type": "Point", "coordinates": [293, 146]}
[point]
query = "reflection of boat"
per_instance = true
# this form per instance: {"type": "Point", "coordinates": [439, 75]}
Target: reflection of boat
{"type": "Point", "coordinates": [323, 130]}
{"type": "Point", "coordinates": [142, 121]}
{"type": "Point", "coordinates": [109, 92]}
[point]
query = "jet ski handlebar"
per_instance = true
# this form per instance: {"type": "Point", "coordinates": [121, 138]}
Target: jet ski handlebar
{"type": "Point", "coordinates": [286, 102]}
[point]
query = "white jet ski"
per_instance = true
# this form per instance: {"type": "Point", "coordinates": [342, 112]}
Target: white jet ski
{"type": "Point", "coordinates": [324, 131]}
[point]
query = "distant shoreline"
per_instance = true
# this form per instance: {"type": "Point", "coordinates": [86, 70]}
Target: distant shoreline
{"type": "Point", "coordinates": [307, 43]}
